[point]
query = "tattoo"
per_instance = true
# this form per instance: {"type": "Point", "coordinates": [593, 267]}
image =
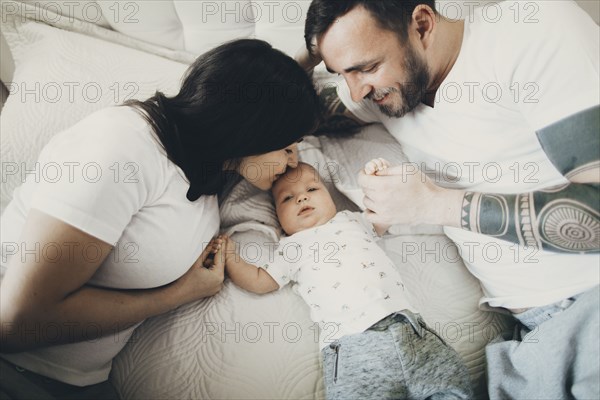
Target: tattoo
{"type": "Point", "coordinates": [565, 218]}
{"type": "Point", "coordinates": [593, 166]}
{"type": "Point", "coordinates": [570, 226]}
{"type": "Point", "coordinates": [573, 142]}
{"type": "Point", "coordinates": [562, 219]}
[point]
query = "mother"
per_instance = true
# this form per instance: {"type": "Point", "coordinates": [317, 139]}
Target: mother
{"type": "Point", "coordinates": [96, 253]}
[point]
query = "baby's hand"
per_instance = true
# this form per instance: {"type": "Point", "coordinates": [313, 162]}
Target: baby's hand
{"type": "Point", "coordinates": [230, 250]}
{"type": "Point", "coordinates": [213, 248]}
{"type": "Point", "coordinates": [218, 242]}
{"type": "Point", "coordinates": [376, 165]}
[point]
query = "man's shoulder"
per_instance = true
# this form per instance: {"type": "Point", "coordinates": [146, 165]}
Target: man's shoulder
{"type": "Point", "coordinates": [508, 34]}
{"type": "Point", "coordinates": [513, 18]}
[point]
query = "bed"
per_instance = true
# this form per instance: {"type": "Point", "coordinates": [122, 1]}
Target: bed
{"type": "Point", "coordinates": [63, 60]}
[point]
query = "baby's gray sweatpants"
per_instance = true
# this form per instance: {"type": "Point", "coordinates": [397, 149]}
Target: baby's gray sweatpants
{"type": "Point", "coordinates": [397, 358]}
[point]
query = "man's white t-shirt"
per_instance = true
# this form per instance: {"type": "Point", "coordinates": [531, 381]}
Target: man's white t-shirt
{"type": "Point", "coordinates": [109, 177]}
{"type": "Point", "coordinates": [345, 278]}
{"type": "Point", "coordinates": [514, 76]}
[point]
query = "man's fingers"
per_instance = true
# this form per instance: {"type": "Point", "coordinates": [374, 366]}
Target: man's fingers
{"type": "Point", "coordinates": [385, 163]}
{"type": "Point", "coordinates": [369, 204]}
{"type": "Point", "coordinates": [367, 182]}
{"type": "Point", "coordinates": [371, 211]}
{"type": "Point", "coordinates": [376, 182]}
{"type": "Point", "coordinates": [402, 169]}
{"type": "Point", "coordinates": [375, 218]}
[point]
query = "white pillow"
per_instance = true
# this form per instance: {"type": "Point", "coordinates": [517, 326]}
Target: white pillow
{"type": "Point", "coordinates": [60, 78]}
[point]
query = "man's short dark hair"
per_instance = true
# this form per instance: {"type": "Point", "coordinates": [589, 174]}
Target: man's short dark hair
{"type": "Point", "coordinates": [392, 15]}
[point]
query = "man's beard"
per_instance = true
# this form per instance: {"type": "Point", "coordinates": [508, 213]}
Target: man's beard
{"type": "Point", "coordinates": [411, 93]}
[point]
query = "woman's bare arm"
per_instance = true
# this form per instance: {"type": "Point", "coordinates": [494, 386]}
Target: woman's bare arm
{"type": "Point", "coordinates": [43, 290]}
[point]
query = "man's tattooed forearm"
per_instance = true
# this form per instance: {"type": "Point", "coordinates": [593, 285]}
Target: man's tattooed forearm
{"type": "Point", "coordinates": [563, 219]}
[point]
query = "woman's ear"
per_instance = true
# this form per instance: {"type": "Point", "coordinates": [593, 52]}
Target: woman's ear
{"type": "Point", "coordinates": [424, 22]}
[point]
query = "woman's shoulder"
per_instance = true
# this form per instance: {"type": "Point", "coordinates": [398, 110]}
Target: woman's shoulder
{"type": "Point", "coordinates": [116, 130]}
{"type": "Point", "coordinates": [114, 137]}
{"type": "Point", "coordinates": [117, 120]}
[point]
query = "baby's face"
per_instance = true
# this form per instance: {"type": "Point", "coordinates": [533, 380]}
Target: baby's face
{"type": "Point", "coordinates": [301, 200]}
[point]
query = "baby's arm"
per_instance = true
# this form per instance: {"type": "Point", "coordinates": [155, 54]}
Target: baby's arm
{"type": "Point", "coordinates": [371, 168]}
{"type": "Point", "coordinates": [244, 275]}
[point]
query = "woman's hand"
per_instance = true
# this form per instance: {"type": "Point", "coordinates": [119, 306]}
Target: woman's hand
{"type": "Point", "coordinates": [205, 277]}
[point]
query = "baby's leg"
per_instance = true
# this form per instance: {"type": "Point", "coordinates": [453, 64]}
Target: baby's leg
{"type": "Point", "coordinates": [437, 372]}
{"type": "Point", "coordinates": [363, 366]}
{"type": "Point", "coordinates": [394, 360]}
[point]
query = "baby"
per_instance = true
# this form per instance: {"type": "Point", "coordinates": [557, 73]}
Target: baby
{"type": "Point", "coordinates": [373, 344]}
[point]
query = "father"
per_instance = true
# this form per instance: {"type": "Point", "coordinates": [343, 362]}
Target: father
{"type": "Point", "coordinates": [503, 113]}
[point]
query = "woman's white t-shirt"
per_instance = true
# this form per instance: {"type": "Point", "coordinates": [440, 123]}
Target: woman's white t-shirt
{"type": "Point", "coordinates": [109, 177]}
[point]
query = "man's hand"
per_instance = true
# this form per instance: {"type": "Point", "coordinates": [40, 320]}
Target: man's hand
{"type": "Point", "coordinates": [307, 60]}
{"type": "Point", "coordinates": [404, 195]}
{"type": "Point", "coordinates": [373, 167]}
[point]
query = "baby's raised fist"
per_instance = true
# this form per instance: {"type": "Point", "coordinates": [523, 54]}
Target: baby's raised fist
{"type": "Point", "coordinates": [376, 165]}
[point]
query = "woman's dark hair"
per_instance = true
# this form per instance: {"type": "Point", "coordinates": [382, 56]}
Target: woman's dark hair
{"type": "Point", "coordinates": [392, 15]}
{"type": "Point", "coordinates": [240, 99]}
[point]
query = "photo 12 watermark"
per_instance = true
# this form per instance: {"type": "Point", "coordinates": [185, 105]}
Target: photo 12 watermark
{"type": "Point", "coordinates": [55, 333]}
{"type": "Point", "coordinates": [97, 12]}
{"type": "Point", "coordinates": [492, 12]}
{"type": "Point", "coordinates": [72, 92]}
{"type": "Point", "coordinates": [70, 172]}
{"type": "Point", "coordinates": [470, 252]}
{"type": "Point", "coordinates": [277, 332]}
{"type": "Point", "coordinates": [69, 252]}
